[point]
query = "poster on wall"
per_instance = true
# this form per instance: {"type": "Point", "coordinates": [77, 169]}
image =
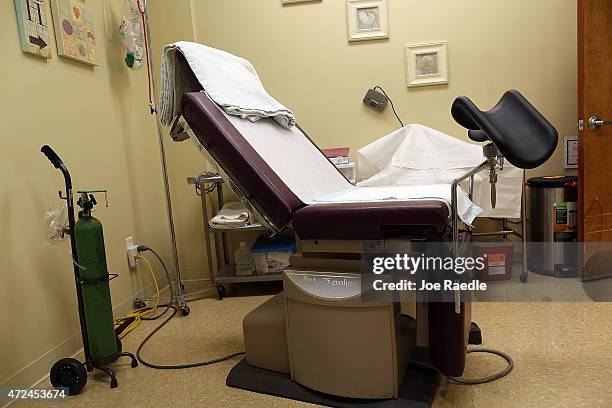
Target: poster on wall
{"type": "Point", "coordinates": [33, 27]}
{"type": "Point", "coordinates": [75, 33]}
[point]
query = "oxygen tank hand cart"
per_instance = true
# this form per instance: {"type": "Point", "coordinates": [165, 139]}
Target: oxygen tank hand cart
{"type": "Point", "coordinates": [100, 344]}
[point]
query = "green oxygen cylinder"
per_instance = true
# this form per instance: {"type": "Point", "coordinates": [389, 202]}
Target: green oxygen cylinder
{"type": "Point", "coordinates": [94, 280]}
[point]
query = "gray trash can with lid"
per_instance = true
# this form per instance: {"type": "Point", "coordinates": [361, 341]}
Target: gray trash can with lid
{"type": "Point", "coordinates": [552, 228]}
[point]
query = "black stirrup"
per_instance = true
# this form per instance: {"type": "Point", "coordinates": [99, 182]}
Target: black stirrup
{"type": "Point", "coordinates": [521, 133]}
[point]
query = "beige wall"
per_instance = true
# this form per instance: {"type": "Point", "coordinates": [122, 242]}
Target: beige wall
{"type": "Point", "coordinates": [303, 57]}
{"type": "Point", "coordinates": [98, 120]}
{"type": "Point", "coordinates": [168, 25]}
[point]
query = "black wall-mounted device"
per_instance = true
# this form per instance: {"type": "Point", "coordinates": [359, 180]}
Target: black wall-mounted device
{"type": "Point", "coordinates": [376, 100]}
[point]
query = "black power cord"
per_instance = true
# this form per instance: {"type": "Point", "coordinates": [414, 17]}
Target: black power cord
{"type": "Point", "coordinates": [177, 366]}
{"type": "Point", "coordinates": [490, 378]}
{"type": "Point", "coordinates": [391, 102]}
{"type": "Point", "coordinates": [143, 248]}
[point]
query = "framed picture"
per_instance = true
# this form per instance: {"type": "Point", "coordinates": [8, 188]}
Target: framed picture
{"type": "Point", "coordinates": [367, 19]}
{"type": "Point", "coordinates": [298, 1]}
{"type": "Point", "coordinates": [427, 64]}
{"type": "Point", "coordinates": [33, 24]}
{"type": "Point", "coordinates": [75, 32]}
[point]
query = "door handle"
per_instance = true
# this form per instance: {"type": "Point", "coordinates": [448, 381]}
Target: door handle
{"type": "Point", "coordinates": [595, 123]}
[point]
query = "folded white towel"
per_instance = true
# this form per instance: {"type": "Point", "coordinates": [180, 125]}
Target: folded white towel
{"type": "Point", "coordinates": [231, 215]}
{"type": "Point", "coordinates": [230, 81]}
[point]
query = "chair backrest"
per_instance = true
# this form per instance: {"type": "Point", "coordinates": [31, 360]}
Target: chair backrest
{"type": "Point", "coordinates": [520, 132]}
{"type": "Point", "coordinates": [278, 170]}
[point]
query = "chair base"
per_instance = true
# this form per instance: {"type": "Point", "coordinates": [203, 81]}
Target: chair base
{"type": "Point", "coordinates": [417, 391]}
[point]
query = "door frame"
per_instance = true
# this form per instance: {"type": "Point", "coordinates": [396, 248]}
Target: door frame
{"type": "Point", "coordinates": [581, 78]}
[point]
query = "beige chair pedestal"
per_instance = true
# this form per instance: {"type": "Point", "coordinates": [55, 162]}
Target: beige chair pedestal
{"type": "Point", "coordinates": [329, 340]}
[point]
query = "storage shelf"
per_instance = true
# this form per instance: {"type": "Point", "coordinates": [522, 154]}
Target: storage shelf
{"type": "Point", "coordinates": [227, 274]}
{"type": "Point", "coordinates": [233, 228]}
{"type": "Point", "coordinates": [222, 276]}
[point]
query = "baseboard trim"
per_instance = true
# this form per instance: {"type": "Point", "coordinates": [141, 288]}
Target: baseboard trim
{"type": "Point", "coordinates": [37, 371]}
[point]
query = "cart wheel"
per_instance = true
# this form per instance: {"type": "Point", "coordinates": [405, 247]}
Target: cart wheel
{"type": "Point", "coordinates": [69, 373]}
{"type": "Point", "coordinates": [185, 310]}
{"type": "Point", "coordinates": [89, 366]}
{"type": "Point", "coordinates": [220, 291]}
{"type": "Point", "coordinates": [524, 278]}
{"type": "Point", "coordinates": [139, 304]}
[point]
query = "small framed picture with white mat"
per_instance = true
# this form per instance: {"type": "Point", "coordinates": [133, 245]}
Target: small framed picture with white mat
{"type": "Point", "coordinates": [367, 19]}
{"type": "Point", "coordinates": [427, 64]}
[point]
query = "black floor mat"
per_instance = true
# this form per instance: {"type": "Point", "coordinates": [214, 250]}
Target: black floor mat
{"type": "Point", "coordinates": [417, 391]}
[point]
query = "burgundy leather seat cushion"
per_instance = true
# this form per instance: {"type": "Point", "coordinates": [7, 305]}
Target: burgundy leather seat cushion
{"type": "Point", "coordinates": [258, 182]}
{"type": "Point", "coordinates": [377, 220]}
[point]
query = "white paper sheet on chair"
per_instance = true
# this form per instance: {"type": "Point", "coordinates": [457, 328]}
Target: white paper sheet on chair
{"type": "Point", "coordinates": [417, 155]}
{"type": "Point", "coordinates": [467, 210]}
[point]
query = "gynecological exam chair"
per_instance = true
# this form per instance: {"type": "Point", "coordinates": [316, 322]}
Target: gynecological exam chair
{"type": "Point", "coordinates": [318, 341]}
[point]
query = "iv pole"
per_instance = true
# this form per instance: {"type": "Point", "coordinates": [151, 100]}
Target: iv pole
{"type": "Point", "coordinates": [180, 293]}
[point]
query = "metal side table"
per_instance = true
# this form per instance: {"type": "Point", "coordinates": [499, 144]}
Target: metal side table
{"type": "Point", "coordinates": [224, 273]}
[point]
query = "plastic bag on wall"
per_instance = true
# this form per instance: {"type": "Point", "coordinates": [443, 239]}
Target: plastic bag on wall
{"type": "Point", "coordinates": [56, 222]}
{"type": "Point", "coordinates": [132, 34]}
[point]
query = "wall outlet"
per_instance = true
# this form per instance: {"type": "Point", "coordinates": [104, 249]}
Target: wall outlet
{"type": "Point", "coordinates": [132, 251]}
